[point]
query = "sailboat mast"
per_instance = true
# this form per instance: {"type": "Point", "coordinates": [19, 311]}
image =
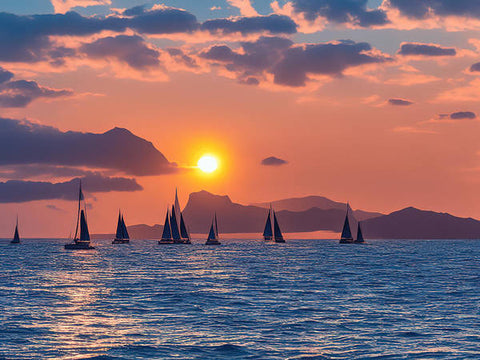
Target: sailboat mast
{"type": "Point", "coordinates": [80, 195]}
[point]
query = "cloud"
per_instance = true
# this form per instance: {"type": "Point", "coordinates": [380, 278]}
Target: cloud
{"type": "Point", "coordinates": [245, 7]}
{"type": "Point", "coordinates": [290, 64]}
{"type": "Point", "coordinates": [400, 102]}
{"type": "Point", "coordinates": [17, 191]}
{"type": "Point", "coordinates": [163, 21]}
{"type": "Point", "coordinates": [54, 208]}
{"type": "Point", "coordinates": [423, 9]}
{"type": "Point", "coordinates": [273, 161]}
{"type": "Point", "coordinates": [475, 67]}
{"type": "Point", "coordinates": [20, 93]}
{"type": "Point", "coordinates": [26, 143]}
{"type": "Point", "coordinates": [273, 24]}
{"type": "Point", "coordinates": [62, 6]}
{"type": "Point", "coordinates": [416, 49]}
{"type": "Point", "coordinates": [5, 75]}
{"type": "Point", "coordinates": [327, 59]}
{"type": "Point", "coordinates": [460, 115]}
{"type": "Point", "coordinates": [353, 12]}
{"type": "Point", "coordinates": [131, 50]}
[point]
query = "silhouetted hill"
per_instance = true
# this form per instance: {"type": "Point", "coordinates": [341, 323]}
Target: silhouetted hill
{"type": "Point", "coordinates": [412, 223]}
{"type": "Point", "coordinates": [321, 202]}
{"type": "Point", "coordinates": [409, 223]}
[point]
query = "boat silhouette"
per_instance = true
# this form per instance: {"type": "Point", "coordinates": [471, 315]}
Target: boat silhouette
{"type": "Point", "coordinates": [213, 238]}
{"type": "Point", "coordinates": [121, 236]}
{"type": "Point", "coordinates": [16, 236]}
{"type": "Point", "coordinates": [81, 240]}
{"type": "Point", "coordinates": [272, 233]}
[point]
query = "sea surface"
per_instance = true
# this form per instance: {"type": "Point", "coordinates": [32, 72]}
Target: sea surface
{"type": "Point", "coordinates": [306, 299]}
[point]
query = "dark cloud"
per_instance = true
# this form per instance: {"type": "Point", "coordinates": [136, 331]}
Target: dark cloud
{"type": "Point", "coordinates": [425, 50]}
{"type": "Point", "coordinates": [273, 161]}
{"type": "Point", "coordinates": [461, 115]}
{"type": "Point", "coordinates": [17, 191]}
{"type": "Point", "coordinates": [164, 21]}
{"type": "Point", "coordinates": [20, 93]}
{"type": "Point", "coordinates": [344, 11]}
{"type": "Point", "coordinates": [327, 59]}
{"type": "Point", "coordinates": [25, 143]}
{"type": "Point", "coordinates": [291, 64]}
{"type": "Point", "coordinates": [400, 102]}
{"type": "Point", "coordinates": [475, 67]}
{"type": "Point", "coordinates": [42, 170]}
{"type": "Point", "coordinates": [5, 75]}
{"type": "Point", "coordinates": [422, 9]}
{"type": "Point", "coordinates": [180, 56]}
{"type": "Point", "coordinates": [131, 50]}
{"type": "Point", "coordinates": [273, 24]}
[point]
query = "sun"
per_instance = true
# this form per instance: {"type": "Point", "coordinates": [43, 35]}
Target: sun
{"type": "Point", "coordinates": [207, 163]}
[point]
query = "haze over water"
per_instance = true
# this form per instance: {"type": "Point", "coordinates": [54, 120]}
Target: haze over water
{"type": "Point", "coordinates": [244, 300]}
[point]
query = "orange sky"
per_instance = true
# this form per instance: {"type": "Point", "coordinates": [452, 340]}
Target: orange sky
{"type": "Point", "coordinates": [339, 135]}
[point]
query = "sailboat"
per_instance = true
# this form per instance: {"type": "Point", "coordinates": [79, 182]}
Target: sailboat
{"type": "Point", "coordinates": [16, 236]}
{"type": "Point", "coordinates": [167, 232]}
{"type": "Point", "coordinates": [81, 242]}
{"type": "Point", "coordinates": [274, 233]}
{"type": "Point", "coordinates": [346, 237]}
{"type": "Point", "coordinates": [360, 239]}
{"type": "Point", "coordinates": [213, 233]}
{"type": "Point", "coordinates": [121, 236]}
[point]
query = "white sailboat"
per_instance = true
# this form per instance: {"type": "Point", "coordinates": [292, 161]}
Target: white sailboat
{"type": "Point", "coordinates": [82, 237]}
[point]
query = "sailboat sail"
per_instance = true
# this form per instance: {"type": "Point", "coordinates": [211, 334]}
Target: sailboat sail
{"type": "Point", "coordinates": [278, 232]}
{"type": "Point", "coordinates": [167, 233]}
{"type": "Point", "coordinates": [268, 232]}
{"type": "Point", "coordinates": [360, 238]}
{"type": "Point", "coordinates": [80, 198]}
{"type": "Point", "coordinates": [174, 225]}
{"type": "Point", "coordinates": [119, 233]}
{"type": "Point", "coordinates": [125, 234]}
{"type": "Point", "coordinates": [84, 234]}
{"type": "Point", "coordinates": [183, 229]}
{"type": "Point", "coordinates": [177, 205]}
{"type": "Point", "coordinates": [216, 227]}
{"type": "Point", "coordinates": [346, 232]}
{"type": "Point", "coordinates": [211, 234]}
{"type": "Point", "coordinates": [16, 236]}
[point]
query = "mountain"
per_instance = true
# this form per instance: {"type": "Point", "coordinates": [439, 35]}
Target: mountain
{"type": "Point", "coordinates": [412, 223]}
{"type": "Point", "coordinates": [409, 223]}
{"type": "Point", "coordinates": [320, 202]}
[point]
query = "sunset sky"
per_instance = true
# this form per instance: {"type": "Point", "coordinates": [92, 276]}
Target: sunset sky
{"type": "Point", "coordinates": [375, 102]}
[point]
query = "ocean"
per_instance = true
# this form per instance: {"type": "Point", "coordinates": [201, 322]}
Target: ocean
{"type": "Point", "coordinates": [306, 299]}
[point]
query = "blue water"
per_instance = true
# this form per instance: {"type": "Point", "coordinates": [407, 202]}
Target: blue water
{"type": "Point", "coordinates": [311, 299]}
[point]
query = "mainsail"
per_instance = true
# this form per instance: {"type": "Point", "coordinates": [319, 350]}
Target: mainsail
{"type": "Point", "coordinates": [119, 234]}
{"type": "Point", "coordinates": [84, 234]}
{"type": "Point", "coordinates": [360, 238]}
{"type": "Point", "coordinates": [211, 234]}
{"type": "Point", "coordinates": [167, 233]}
{"type": "Point", "coordinates": [346, 231]}
{"type": "Point", "coordinates": [278, 232]}
{"type": "Point", "coordinates": [125, 234]}
{"type": "Point", "coordinates": [216, 227]}
{"type": "Point", "coordinates": [174, 225]}
{"type": "Point", "coordinates": [183, 229]}
{"type": "Point", "coordinates": [16, 236]}
{"type": "Point", "coordinates": [267, 232]}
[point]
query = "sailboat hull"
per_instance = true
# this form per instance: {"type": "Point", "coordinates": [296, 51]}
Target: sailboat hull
{"type": "Point", "coordinates": [15, 242]}
{"type": "Point", "coordinates": [359, 242]}
{"type": "Point", "coordinates": [346, 241]}
{"type": "Point", "coordinates": [213, 242]}
{"type": "Point", "coordinates": [165, 241]}
{"type": "Point", "coordinates": [280, 241]}
{"type": "Point", "coordinates": [182, 241]}
{"type": "Point", "coordinates": [79, 245]}
{"type": "Point", "coordinates": [121, 241]}
{"type": "Point", "coordinates": [268, 238]}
